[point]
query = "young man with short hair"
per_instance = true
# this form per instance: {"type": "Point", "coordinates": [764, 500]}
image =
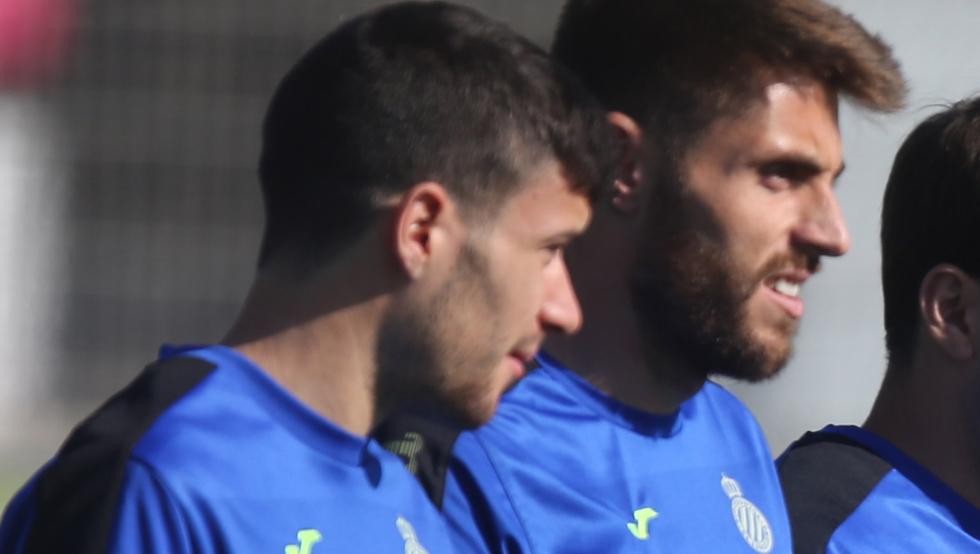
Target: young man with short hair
{"type": "Point", "coordinates": [907, 480]}
{"type": "Point", "coordinates": [726, 112]}
{"type": "Point", "coordinates": [422, 169]}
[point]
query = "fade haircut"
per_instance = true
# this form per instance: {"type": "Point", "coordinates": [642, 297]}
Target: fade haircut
{"type": "Point", "coordinates": [414, 92]}
{"type": "Point", "coordinates": [677, 66]}
{"type": "Point", "coordinates": [930, 215]}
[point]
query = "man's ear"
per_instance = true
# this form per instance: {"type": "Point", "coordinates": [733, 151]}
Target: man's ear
{"type": "Point", "coordinates": [629, 172]}
{"type": "Point", "coordinates": [949, 302]}
{"type": "Point", "coordinates": [425, 221]}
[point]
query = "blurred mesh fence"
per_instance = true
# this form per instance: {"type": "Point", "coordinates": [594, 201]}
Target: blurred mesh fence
{"type": "Point", "coordinates": [150, 209]}
{"type": "Point", "coordinates": [163, 102]}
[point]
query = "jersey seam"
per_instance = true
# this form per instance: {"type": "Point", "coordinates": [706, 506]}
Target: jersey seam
{"type": "Point", "coordinates": [870, 492]}
{"type": "Point", "coordinates": [510, 500]}
{"type": "Point", "coordinates": [158, 479]}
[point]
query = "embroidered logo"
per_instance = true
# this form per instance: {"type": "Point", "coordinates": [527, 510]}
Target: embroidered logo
{"type": "Point", "coordinates": [408, 448]}
{"type": "Point", "coordinates": [751, 522]}
{"type": "Point", "coordinates": [641, 527]}
{"type": "Point", "coordinates": [307, 538]}
{"type": "Point", "coordinates": [412, 544]}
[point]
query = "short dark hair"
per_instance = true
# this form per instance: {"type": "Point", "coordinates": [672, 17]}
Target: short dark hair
{"type": "Point", "coordinates": [677, 66]}
{"type": "Point", "coordinates": [930, 215]}
{"type": "Point", "coordinates": [413, 92]}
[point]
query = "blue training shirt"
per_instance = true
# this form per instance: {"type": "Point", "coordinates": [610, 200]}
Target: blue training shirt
{"type": "Point", "coordinates": [564, 468]}
{"type": "Point", "coordinates": [851, 491]}
{"type": "Point", "coordinates": [205, 453]}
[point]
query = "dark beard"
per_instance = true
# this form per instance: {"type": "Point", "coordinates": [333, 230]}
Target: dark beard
{"type": "Point", "coordinates": [689, 307]}
{"type": "Point", "coordinates": [689, 298]}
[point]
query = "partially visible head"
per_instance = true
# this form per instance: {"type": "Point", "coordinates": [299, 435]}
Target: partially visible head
{"type": "Point", "coordinates": [431, 125]}
{"type": "Point", "coordinates": [731, 110]}
{"type": "Point", "coordinates": [930, 236]}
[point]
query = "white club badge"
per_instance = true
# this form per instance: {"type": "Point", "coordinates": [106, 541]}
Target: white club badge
{"type": "Point", "coordinates": [751, 522]}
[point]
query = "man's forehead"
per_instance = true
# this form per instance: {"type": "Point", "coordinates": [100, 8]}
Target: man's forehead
{"type": "Point", "coordinates": [802, 123]}
{"type": "Point", "coordinates": [773, 95]}
{"type": "Point", "coordinates": [544, 179]}
{"type": "Point", "coordinates": [794, 121]}
{"type": "Point", "coordinates": [546, 198]}
{"type": "Point", "coordinates": [802, 89]}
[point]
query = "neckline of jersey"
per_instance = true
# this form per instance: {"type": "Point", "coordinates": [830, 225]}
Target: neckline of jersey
{"type": "Point", "coordinates": [967, 515]}
{"type": "Point", "coordinates": [282, 406]}
{"type": "Point", "coordinates": [605, 406]}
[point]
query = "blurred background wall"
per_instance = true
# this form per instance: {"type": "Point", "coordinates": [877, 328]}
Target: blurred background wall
{"type": "Point", "coordinates": [130, 216]}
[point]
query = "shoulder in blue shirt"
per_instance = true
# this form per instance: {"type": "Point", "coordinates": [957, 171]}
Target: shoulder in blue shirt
{"type": "Point", "coordinates": [849, 490]}
{"type": "Point", "coordinates": [205, 453]}
{"type": "Point", "coordinates": [565, 468]}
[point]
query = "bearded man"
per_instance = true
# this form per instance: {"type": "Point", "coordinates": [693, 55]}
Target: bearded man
{"type": "Point", "coordinates": [726, 112]}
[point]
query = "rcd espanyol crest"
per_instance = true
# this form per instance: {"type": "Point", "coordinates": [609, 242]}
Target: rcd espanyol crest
{"type": "Point", "coordinates": [751, 522]}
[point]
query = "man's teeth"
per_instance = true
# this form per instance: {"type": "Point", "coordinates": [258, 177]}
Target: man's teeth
{"type": "Point", "coordinates": [787, 288]}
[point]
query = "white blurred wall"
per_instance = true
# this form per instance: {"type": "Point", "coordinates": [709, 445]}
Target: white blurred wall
{"type": "Point", "coordinates": [32, 277]}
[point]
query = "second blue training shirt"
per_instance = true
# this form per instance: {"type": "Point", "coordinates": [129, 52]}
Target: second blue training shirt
{"type": "Point", "coordinates": [564, 468]}
{"type": "Point", "coordinates": [851, 491]}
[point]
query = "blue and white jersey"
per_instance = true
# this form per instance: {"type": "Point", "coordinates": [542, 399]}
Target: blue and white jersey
{"type": "Point", "coordinates": [205, 453]}
{"type": "Point", "coordinates": [564, 468]}
{"type": "Point", "coordinates": [849, 490]}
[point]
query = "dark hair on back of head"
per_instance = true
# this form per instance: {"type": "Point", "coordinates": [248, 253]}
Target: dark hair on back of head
{"type": "Point", "coordinates": [414, 92]}
{"type": "Point", "coordinates": [930, 215]}
{"type": "Point", "coordinates": [677, 66]}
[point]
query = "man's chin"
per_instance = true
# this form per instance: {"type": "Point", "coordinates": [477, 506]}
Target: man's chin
{"type": "Point", "coordinates": [473, 416]}
{"type": "Point", "coordinates": [465, 411]}
{"type": "Point", "coordinates": [754, 366]}
{"type": "Point", "coordinates": [760, 376]}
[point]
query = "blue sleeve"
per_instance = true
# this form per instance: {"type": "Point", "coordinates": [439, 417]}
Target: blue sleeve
{"type": "Point", "coordinates": [147, 518]}
{"type": "Point", "coordinates": [476, 505]}
{"type": "Point", "coordinates": [17, 520]}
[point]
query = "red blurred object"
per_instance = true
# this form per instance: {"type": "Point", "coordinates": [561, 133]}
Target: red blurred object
{"type": "Point", "coordinates": [33, 35]}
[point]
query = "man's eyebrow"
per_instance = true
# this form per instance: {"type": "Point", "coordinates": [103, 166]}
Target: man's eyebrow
{"type": "Point", "coordinates": [799, 164]}
{"type": "Point", "coordinates": [563, 237]}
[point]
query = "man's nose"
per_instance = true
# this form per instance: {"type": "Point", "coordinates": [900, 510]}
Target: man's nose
{"type": "Point", "coordinates": [821, 229]}
{"type": "Point", "coordinates": [560, 309]}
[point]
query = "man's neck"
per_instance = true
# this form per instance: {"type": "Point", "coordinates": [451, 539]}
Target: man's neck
{"type": "Point", "coordinates": [611, 351]}
{"type": "Point", "coordinates": [922, 419]}
{"type": "Point", "coordinates": [320, 350]}
{"type": "Point", "coordinates": [612, 354]}
{"type": "Point", "coordinates": [629, 375]}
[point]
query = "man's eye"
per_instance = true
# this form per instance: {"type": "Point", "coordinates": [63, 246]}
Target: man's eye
{"type": "Point", "coordinates": [776, 182]}
{"type": "Point", "coordinates": [782, 175]}
{"type": "Point", "coordinates": [553, 251]}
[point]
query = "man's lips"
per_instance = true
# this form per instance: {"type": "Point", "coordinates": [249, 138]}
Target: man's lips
{"type": "Point", "coordinates": [519, 360]}
{"type": "Point", "coordinates": [516, 366]}
{"type": "Point", "coordinates": [783, 287]}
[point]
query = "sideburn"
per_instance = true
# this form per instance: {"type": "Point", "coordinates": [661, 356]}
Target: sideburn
{"type": "Point", "coordinates": [422, 349]}
{"type": "Point", "coordinates": [684, 292]}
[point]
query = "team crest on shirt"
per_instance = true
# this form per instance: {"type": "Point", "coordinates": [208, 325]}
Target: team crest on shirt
{"type": "Point", "coordinates": [412, 544]}
{"type": "Point", "coordinates": [749, 519]}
